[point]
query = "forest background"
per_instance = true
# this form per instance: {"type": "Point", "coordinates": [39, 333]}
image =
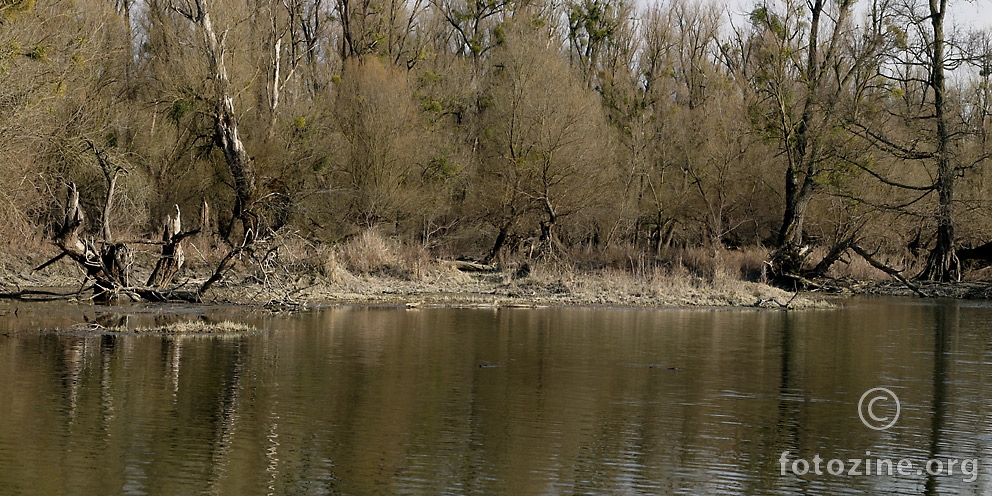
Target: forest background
{"type": "Point", "coordinates": [779, 140]}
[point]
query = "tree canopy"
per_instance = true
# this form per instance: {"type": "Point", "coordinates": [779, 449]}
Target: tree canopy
{"type": "Point", "coordinates": [485, 128]}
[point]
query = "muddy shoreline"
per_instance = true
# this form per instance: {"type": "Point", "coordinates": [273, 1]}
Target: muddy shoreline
{"type": "Point", "coordinates": [965, 290]}
{"type": "Point", "coordinates": [442, 285]}
{"type": "Point", "coordinates": [448, 287]}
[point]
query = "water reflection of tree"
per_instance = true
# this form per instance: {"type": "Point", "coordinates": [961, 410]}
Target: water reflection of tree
{"type": "Point", "coordinates": [791, 397]}
{"type": "Point", "coordinates": [74, 363]}
{"type": "Point", "coordinates": [228, 412]}
{"type": "Point", "coordinates": [108, 348]}
{"type": "Point", "coordinates": [945, 324]}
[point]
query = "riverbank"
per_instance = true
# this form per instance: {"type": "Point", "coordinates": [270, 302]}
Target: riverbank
{"type": "Point", "coordinates": [966, 290]}
{"type": "Point", "coordinates": [433, 283]}
{"type": "Point", "coordinates": [498, 289]}
{"type": "Point", "coordinates": [371, 270]}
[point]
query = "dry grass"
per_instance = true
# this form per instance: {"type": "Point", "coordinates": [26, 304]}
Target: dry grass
{"type": "Point", "coordinates": [748, 264]}
{"type": "Point", "coordinates": [692, 277]}
{"type": "Point", "coordinates": [331, 267]}
{"type": "Point", "coordinates": [191, 327]}
{"type": "Point", "coordinates": [197, 327]}
{"type": "Point", "coordinates": [370, 253]}
{"type": "Point", "coordinates": [660, 285]}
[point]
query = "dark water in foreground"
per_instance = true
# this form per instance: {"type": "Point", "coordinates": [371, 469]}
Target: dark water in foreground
{"type": "Point", "coordinates": [514, 401]}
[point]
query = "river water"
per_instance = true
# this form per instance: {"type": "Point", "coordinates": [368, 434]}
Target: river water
{"type": "Point", "coordinates": [357, 400]}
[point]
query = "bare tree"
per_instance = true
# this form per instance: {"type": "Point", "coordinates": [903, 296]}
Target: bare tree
{"type": "Point", "coordinates": [373, 28]}
{"type": "Point", "coordinates": [381, 143]}
{"type": "Point", "coordinates": [804, 65]}
{"type": "Point", "coordinates": [226, 132]}
{"type": "Point", "coordinates": [942, 263]}
{"type": "Point", "coordinates": [544, 146]}
{"type": "Point", "coordinates": [600, 37]}
{"type": "Point", "coordinates": [476, 24]}
{"type": "Point", "coordinates": [699, 129]}
{"type": "Point", "coordinates": [917, 125]}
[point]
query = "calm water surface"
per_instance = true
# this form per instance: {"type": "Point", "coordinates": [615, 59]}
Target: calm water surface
{"type": "Point", "coordinates": [510, 401]}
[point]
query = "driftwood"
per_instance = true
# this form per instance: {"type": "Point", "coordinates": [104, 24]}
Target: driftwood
{"type": "Point", "coordinates": [801, 282]}
{"type": "Point", "coordinates": [37, 295]}
{"type": "Point", "coordinates": [763, 303]}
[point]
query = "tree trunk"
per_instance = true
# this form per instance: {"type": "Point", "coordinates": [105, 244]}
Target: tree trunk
{"type": "Point", "coordinates": [173, 255]}
{"type": "Point", "coordinates": [117, 261]}
{"type": "Point", "coordinates": [241, 168]}
{"type": "Point", "coordinates": [124, 10]}
{"type": "Point", "coordinates": [548, 238]}
{"type": "Point", "coordinates": [226, 126]}
{"type": "Point", "coordinates": [504, 231]}
{"type": "Point", "coordinates": [228, 139]}
{"type": "Point", "coordinates": [274, 93]}
{"type": "Point", "coordinates": [942, 263]}
{"type": "Point", "coordinates": [790, 256]}
{"type": "Point", "coordinates": [801, 150]}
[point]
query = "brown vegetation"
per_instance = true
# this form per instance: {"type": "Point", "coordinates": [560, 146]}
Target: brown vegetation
{"type": "Point", "coordinates": [180, 327]}
{"type": "Point", "coordinates": [585, 135]}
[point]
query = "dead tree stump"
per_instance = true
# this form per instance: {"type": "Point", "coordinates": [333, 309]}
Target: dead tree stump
{"type": "Point", "coordinates": [110, 266]}
{"type": "Point", "coordinates": [173, 256]}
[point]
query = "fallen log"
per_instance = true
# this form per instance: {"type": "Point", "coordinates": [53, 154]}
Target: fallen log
{"type": "Point", "coordinates": [37, 295]}
{"type": "Point", "coordinates": [466, 266]}
{"type": "Point", "coordinates": [54, 259]}
{"type": "Point", "coordinates": [979, 256]}
{"type": "Point", "coordinates": [888, 270]}
{"type": "Point", "coordinates": [157, 295]}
